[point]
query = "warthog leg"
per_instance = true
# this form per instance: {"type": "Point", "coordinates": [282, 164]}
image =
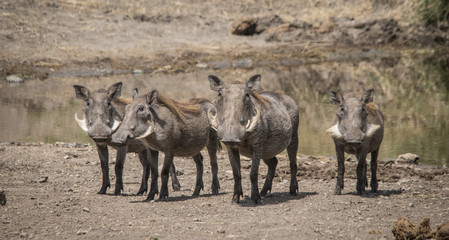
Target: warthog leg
{"type": "Point", "coordinates": [168, 162]}
{"type": "Point", "coordinates": [174, 179]}
{"type": "Point", "coordinates": [120, 161]}
{"type": "Point", "coordinates": [340, 169]}
{"type": "Point", "coordinates": [253, 176]}
{"type": "Point", "coordinates": [292, 150]}
{"type": "Point", "coordinates": [154, 174]}
{"type": "Point", "coordinates": [234, 158]}
{"type": "Point", "coordinates": [104, 160]}
{"type": "Point", "coordinates": [271, 163]}
{"type": "Point", "coordinates": [199, 174]}
{"type": "Point", "coordinates": [145, 161]}
{"type": "Point", "coordinates": [212, 149]}
{"type": "Point", "coordinates": [373, 183]}
{"type": "Point", "coordinates": [361, 173]}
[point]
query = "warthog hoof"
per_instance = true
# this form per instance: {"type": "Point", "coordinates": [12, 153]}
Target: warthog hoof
{"type": "Point", "coordinates": [236, 198]}
{"type": "Point", "coordinates": [103, 189]}
{"type": "Point", "coordinates": [176, 186]}
{"type": "Point", "coordinates": [142, 190]}
{"type": "Point", "coordinates": [151, 196]}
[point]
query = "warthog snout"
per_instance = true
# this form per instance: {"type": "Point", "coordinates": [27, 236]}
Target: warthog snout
{"type": "Point", "coordinates": [121, 137]}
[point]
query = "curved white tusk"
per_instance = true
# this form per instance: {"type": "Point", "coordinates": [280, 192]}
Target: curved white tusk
{"type": "Point", "coordinates": [147, 132]}
{"type": "Point", "coordinates": [212, 120]}
{"type": "Point", "coordinates": [372, 129]}
{"type": "Point", "coordinates": [334, 132]}
{"type": "Point", "coordinates": [115, 125]}
{"type": "Point", "coordinates": [253, 122]}
{"type": "Point", "coordinates": [81, 122]}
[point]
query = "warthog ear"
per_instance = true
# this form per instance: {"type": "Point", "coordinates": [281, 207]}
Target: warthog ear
{"type": "Point", "coordinates": [135, 94]}
{"type": "Point", "coordinates": [151, 97]}
{"type": "Point", "coordinates": [216, 83]}
{"type": "Point", "coordinates": [81, 92]}
{"type": "Point", "coordinates": [335, 97]}
{"type": "Point", "coordinates": [368, 96]}
{"type": "Point", "coordinates": [253, 84]}
{"type": "Point", "coordinates": [115, 90]}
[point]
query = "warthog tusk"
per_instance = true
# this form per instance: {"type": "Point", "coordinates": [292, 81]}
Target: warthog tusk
{"type": "Point", "coordinates": [81, 122]}
{"type": "Point", "coordinates": [115, 125]}
{"type": "Point", "coordinates": [372, 129]}
{"type": "Point", "coordinates": [334, 132]}
{"type": "Point", "coordinates": [212, 120]}
{"type": "Point", "coordinates": [252, 123]}
{"type": "Point", "coordinates": [147, 132]}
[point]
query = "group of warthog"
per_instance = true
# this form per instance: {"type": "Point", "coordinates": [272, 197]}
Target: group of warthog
{"type": "Point", "coordinates": [256, 124]}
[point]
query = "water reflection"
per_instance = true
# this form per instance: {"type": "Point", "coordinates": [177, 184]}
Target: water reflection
{"type": "Point", "coordinates": [411, 90]}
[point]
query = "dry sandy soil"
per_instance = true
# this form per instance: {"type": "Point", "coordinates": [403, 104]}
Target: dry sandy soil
{"type": "Point", "coordinates": [51, 189]}
{"type": "Point", "coordinates": [51, 194]}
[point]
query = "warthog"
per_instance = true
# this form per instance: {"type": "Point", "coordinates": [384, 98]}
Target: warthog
{"type": "Point", "coordinates": [259, 126]}
{"type": "Point", "coordinates": [103, 111]}
{"type": "Point", "coordinates": [358, 129]}
{"type": "Point", "coordinates": [175, 128]}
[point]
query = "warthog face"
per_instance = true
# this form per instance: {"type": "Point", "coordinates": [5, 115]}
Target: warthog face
{"type": "Point", "coordinates": [100, 116]}
{"type": "Point", "coordinates": [236, 111]}
{"type": "Point", "coordinates": [352, 114]}
{"type": "Point", "coordinates": [137, 121]}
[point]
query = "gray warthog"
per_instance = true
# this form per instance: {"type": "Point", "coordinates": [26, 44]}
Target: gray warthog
{"type": "Point", "coordinates": [103, 111]}
{"type": "Point", "coordinates": [358, 129]}
{"type": "Point", "coordinates": [175, 128]}
{"type": "Point", "coordinates": [259, 126]}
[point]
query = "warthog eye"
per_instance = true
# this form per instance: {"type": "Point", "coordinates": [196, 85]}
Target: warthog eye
{"type": "Point", "coordinates": [140, 108]}
{"type": "Point", "coordinates": [88, 102]}
{"type": "Point", "coordinates": [247, 98]}
{"type": "Point", "coordinates": [364, 112]}
{"type": "Point", "coordinates": [341, 111]}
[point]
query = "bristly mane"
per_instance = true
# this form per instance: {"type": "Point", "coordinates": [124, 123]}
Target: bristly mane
{"type": "Point", "coordinates": [259, 98]}
{"type": "Point", "coordinates": [180, 109]}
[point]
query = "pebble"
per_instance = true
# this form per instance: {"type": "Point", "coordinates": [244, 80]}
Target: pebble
{"type": "Point", "coordinates": [86, 210]}
{"type": "Point", "coordinates": [201, 65]}
{"type": "Point", "coordinates": [14, 79]}
{"type": "Point", "coordinates": [81, 232]}
{"type": "Point", "coordinates": [137, 71]}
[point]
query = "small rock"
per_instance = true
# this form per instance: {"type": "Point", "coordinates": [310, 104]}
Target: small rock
{"type": "Point", "coordinates": [43, 179]}
{"type": "Point", "coordinates": [86, 210]}
{"type": "Point", "coordinates": [137, 71]}
{"type": "Point", "coordinates": [443, 231]}
{"type": "Point", "coordinates": [407, 158]}
{"type": "Point", "coordinates": [201, 65]}
{"type": "Point", "coordinates": [244, 26]}
{"type": "Point", "coordinates": [81, 232]}
{"type": "Point", "coordinates": [14, 79]}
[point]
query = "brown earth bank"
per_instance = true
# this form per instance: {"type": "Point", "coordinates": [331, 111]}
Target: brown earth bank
{"type": "Point", "coordinates": [42, 39]}
{"type": "Point", "coordinates": [51, 191]}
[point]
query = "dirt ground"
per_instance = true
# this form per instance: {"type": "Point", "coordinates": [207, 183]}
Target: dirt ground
{"type": "Point", "coordinates": [51, 189]}
{"type": "Point", "coordinates": [51, 194]}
